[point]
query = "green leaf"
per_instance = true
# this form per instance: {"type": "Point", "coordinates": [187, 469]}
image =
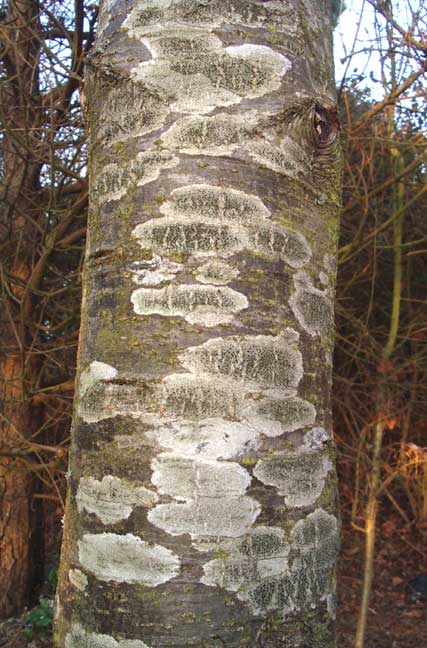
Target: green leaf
{"type": "Point", "coordinates": [28, 634]}
{"type": "Point", "coordinates": [39, 618]}
{"type": "Point", "coordinates": [53, 578]}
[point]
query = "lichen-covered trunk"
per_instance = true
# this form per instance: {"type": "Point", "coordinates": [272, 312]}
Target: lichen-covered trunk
{"type": "Point", "coordinates": [201, 508]}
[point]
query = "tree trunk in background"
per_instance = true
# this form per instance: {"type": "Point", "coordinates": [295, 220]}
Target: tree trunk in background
{"type": "Point", "coordinates": [201, 508]}
{"type": "Point", "coordinates": [19, 114]}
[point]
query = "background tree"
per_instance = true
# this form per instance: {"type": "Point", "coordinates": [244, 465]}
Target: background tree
{"type": "Point", "coordinates": [202, 489]}
{"type": "Point", "coordinates": [42, 215]}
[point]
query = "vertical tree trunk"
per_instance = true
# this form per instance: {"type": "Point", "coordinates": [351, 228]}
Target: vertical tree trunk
{"type": "Point", "coordinates": [19, 115]}
{"type": "Point", "coordinates": [201, 508]}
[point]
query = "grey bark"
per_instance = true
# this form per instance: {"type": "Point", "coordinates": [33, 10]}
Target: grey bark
{"type": "Point", "coordinates": [202, 507]}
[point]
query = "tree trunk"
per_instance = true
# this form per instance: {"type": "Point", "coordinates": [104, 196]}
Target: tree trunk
{"type": "Point", "coordinates": [202, 500]}
{"type": "Point", "coordinates": [20, 529]}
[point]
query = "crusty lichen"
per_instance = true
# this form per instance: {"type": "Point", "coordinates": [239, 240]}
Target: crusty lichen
{"type": "Point", "coordinates": [208, 220]}
{"type": "Point", "coordinates": [242, 564]}
{"type": "Point", "coordinates": [112, 499]}
{"type": "Point", "coordinates": [155, 271]}
{"type": "Point", "coordinates": [200, 397]}
{"type": "Point", "coordinates": [186, 478]}
{"type": "Point", "coordinates": [292, 413]}
{"type": "Point", "coordinates": [212, 438]}
{"type": "Point", "coordinates": [94, 373]}
{"type": "Point", "coordinates": [81, 638]}
{"type": "Point", "coordinates": [127, 559]}
{"type": "Point", "coordinates": [315, 438]}
{"type": "Point", "coordinates": [312, 307]}
{"type": "Point", "coordinates": [114, 180]}
{"type": "Point", "coordinates": [269, 571]}
{"type": "Point", "coordinates": [193, 69]}
{"type": "Point", "coordinates": [216, 273]}
{"type": "Point", "coordinates": [213, 493]}
{"type": "Point", "coordinates": [288, 159]}
{"type": "Point", "coordinates": [203, 305]}
{"type": "Point", "coordinates": [128, 111]}
{"type": "Point", "coordinates": [269, 361]}
{"type": "Point", "coordinates": [277, 242]}
{"type": "Point", "coordinates": [215, 135]}
{"type": "Point", "coordinates": [213, 203]}
{"type": "Point", "coordinates": [144, 18]}
{"type": "Point", "coordinates": [299, 476]}
{"type": "Point", "coordinates": [106, 399]}
{"type": "Point", "coordinates": [169, 236]}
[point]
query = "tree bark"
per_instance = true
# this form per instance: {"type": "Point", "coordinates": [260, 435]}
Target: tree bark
{"type": "Point", "coordinates": [202, 501]}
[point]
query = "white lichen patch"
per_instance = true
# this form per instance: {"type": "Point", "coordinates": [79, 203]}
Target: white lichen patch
{"type": "Point", "coordinates": [94, 381]}
{"type": "Point", "coordinates": [129, 111]}
{"type": "Point", "coordinates": [104, 400]}
{"type": "Point", "coordinates": [246, 562]}
{"type": "Point", "coordinates": [258, 360]}
{"type": "Point", "coordinates": [288, 414]}
{"type": "Point", "coordinates": [213, 496]}
{"type": "Point", "coordinates": [114, 180]}
{"type": "Point", "coordinates": [217, 135]}
{"type": "Point", "coordinates": [81, 638]}
{"type": "Point", "coordinates": [150, 16]}
{"type": "Point", "coordinates": [187, 479]}
{"type": "Point", "coordinates": [275, 241]}
{"type": "Point", "coordinates": [299, 476]}
{"type": "Point", "coordinates": [289, 159]}
{"type": "Point", "coordinates": [112, 499]}
{"type": "Point", "coordinates": [201, 305]}
{"type": "Point", "coordinates": [78, 579]}
{"type": "Point", "coordinates": [155, 271]}
{"type": "Point", "coordinates": [248, 136]}
{"type": "Point", "coordinates": [196, 74]}
{"type": "Point", "coordinates": [199, 397]}
{"type": "Point", "coordinates": [207, 220]}
{"type": "Point", "coordinates": [318, 533]}
{"type": "Point", "coordinates": [211, 439]}
{"type": "Point", "coordinates": [127, 559]}
{"type": "Point", "coordinates": [202, 202]}
{"type": "Point", "coordinates": [95, 373]}
{"type": "Point", "coordinates": [238, 391]}
{"type": "Point", "coordinates": [312, 307]}
{"type": "Point", "coordinates": [217, 273]}
{"type": "Point", "coordinates": [314, 545]}
{"type": "Point", "coordinates": [204, 415]}
{"type": "Point", "coordinates": [112, 183]}
{"type": "Point", "coordinates": [315, 438]}
{"type": "Point", "coordinates": [230, 517]}
{"type": "Point", "coordinates": [269, 572]}
{"type": "Point", "coordinates": [265, 59]}
{"type": "Point", "coordinates": [199, 238]}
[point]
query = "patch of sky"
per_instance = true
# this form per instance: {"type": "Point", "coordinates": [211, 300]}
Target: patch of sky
{"type": "Point", "coordinates": [372, 58]}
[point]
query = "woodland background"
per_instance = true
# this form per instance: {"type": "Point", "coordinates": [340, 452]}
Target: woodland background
{"type": "Point", "coordinates": [380, 375]}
